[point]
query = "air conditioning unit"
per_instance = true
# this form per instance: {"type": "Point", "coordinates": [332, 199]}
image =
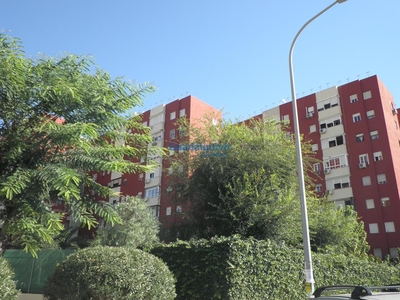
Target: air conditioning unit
{"type": "Point", "coordinates": [148, 180]}
{"type": "Point", "coordinates": [394, 111]}
{"type": "Point", "coordinates": [310, 115]}
{"type": "Point", "coordinates": [362, 165]}
{"type": "Point", "coordinates": [327, 171]}
{"type": "Point", "coordinates": [322, 130]}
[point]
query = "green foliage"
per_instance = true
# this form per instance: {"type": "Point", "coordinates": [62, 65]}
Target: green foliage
{"type": "Point", "coordinates": [250, 188]}
{"type": "Point", "coordinates": [105, 273]}
{"type": "Point", "coordinates": [246, 188]}
{"type": "Point", "coordinates": [236, 268]}
{"type": "Point", "coordinates": [336, 230]}
{"type": "Point", "coordinates": [61, 118]}
{"type": "Point", "coordinates": [137, 229]}
{"type": "Point", "coordinates": [8, 289]}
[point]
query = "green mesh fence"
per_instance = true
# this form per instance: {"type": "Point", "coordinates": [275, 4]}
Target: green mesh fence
{"type": "Point", "coordinates": [31, 273]}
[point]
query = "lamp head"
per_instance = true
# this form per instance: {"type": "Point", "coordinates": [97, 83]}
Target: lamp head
{"type": "Point", "coordinates": [340, 1]}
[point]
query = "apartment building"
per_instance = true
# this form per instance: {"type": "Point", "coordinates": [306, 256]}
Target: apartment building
{"type": "Point", "coordinates": [353, 129]}
{"type": "Point", "coordinates": [354, 132]}
{"type": "Point", "coordinates": [153, 186]}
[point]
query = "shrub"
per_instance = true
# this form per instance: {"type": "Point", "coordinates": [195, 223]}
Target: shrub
{"type": "Point", "coordinates": [241, 269]}
{"type": "Point", "coordinates": [105, 273]}
{"type": "Point", "coordinates": [8, 290]}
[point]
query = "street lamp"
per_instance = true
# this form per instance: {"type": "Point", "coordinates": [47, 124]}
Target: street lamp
{"type": "Point", "coordinates": [303, 205]}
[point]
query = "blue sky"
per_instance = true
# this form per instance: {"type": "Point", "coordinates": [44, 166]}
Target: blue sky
{"type": "Point", "coordinates": [231, 54]}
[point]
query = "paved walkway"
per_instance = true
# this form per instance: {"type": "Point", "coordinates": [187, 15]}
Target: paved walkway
{"type": "Point", "coordinates": [30, 297]}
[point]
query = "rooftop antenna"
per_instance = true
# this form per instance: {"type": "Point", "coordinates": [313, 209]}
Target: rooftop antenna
{"type": "Point", "coordinates": [368, 74]}
{"type": "Point", "coordinates": [348, 79]}
{"type": "Point", "coordinates": [327, 84]}
{"type": "Point", "coordinates": [283, 101]}
{"type": "Point", "coordinates": [320, 87]}
{"type": "Point", "coordinates": [303, 94]}
{"type": "Point", "coordinates": [358, 76]}
{"type": "Point", "coordinates": [338, 82]}
{"type": "Point", "coordinates": [311, 90]}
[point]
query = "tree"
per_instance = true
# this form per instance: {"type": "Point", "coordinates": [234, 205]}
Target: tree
{"type": "Point", "coordinates": [138, 227]}
{"type": "Point", "coordinates": [240, 178]}
{"type": "Point", "coordinates": [61, 118]}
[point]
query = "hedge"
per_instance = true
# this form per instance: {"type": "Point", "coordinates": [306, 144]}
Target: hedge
{"type": "Point", "coordinates": [233, 268]}
{"type": "Point", "coordinates": [107, 273]}
{"type": "Point", "coordinates": [8, 289]}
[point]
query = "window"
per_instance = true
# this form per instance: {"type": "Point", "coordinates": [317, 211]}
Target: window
{"type": "Point", "coordinates": [155, 211]}
{"type": "Point", "coordinates": [330, 123]}
{"type": "Point", "coordinates": [316, 168]}
{"type": "Point", "coordinates": [378, 156]}
{"type": "Point", "coordinates": [151, 175]}
{"type": "Point", "coordinates": [381, 178]}
{"type": "Point", "coordinates": [170, 170]}
{"type": "Point", "coordinates": [172, 115]}
{"type": "Point", "coordinates": [318, 188]}
{"type": "Point", "coordinates": [394, 252]}
{"type": "Point", "coordinates": [140, 194]}
{"type": "Point", "coordinates": [115, 182]}
{"type": "Point", "coordinates": [367, 95]}
{"type": "Point", "coordinates": [157, 119]}
{"type": "Point", "coordinates": [124, 181]}
{"type": "Point", "coordinates": [313, 128]}
{"type": "Point", "coordinates": [396, 125]}
{"type": "Point", "coordinates": [152, 192]}
{"type": "Point", "coordinates": [168, 211]}
{"type": "Point", "coordinates": [310, 112]}
{"type": "Point", "coordinates": [359, 137]}
{"type": "Point", "coordinates": [377, 252]}
{"type": "Point", "coordinates": [353, 98]}
{"type": "Point", "coordinates": [366, 180]}
{"type": "Point", "coordinates": [171, 151]}
{"type": "Point", "coordinates": [363, 159]}
{"type": "Point", "coordinates": [286, 119]}
{"type": "Point", "coordinates": [374, 135]}
{"type": "Point", "coordinates": [179, 209]}
{"type": "Point", "coordinates": [141, 177]}
{"type": "Point", "coordinates": [182, 112]}
{"type": "Point", "coordinates": [338, 183]}
{"type": "Point", "coordinates": [389, 227]}
{"type": "Point", "coordinates": [370, 203]}
{"type": "Point", "coordinates": [328, 103]}
{"type": "Point", "coordinates": [172, 134]}
{"type": "Point", "coordinates": [373, 228]}
{"type": "Point", "coordinates": [356, 117]}
{"type": "Point", "coordinates": [314, 147]}
{"type": "Point", "coordinates": [385, 202]}
{"type": "Point", "coordinates": [335, 162]}
{"type": "Point", "coordinates": [336, 142]}
{"type": "Point", "coordinates": [370, 114]}
{"type": "Point", "coordinates": [169, 190]}
{"type": "Point", "coordinates": [94, 177]}
{"type": "Point", "coordinates": [144, 123]}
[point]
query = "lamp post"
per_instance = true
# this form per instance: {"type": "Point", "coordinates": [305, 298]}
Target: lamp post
{"type": "Point", "coordinates": [303, 205]}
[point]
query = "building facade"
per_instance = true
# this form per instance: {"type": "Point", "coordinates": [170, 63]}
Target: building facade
{"type": "Point", "coordinates": [354, 132]}
{"type": "Point", "coordinates": [353, 129]}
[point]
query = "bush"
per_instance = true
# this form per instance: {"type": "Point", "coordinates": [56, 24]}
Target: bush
{"type": "Point", "coordinates": [241, 269]}
{"type": "Point", "coordinates": [8, 290]}
{"type": "Point", "coordinates": [105, 273]}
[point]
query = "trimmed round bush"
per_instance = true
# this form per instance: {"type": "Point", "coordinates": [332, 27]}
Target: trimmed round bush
{"type": "Point", "coordinates": [8, 289]}
{"type": "Point", "coordinates": [105, 273]}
